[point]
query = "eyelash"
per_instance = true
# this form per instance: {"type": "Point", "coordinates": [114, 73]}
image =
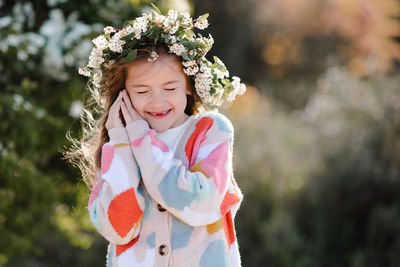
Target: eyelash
{"type": "Point", "coordinates": [143, 92]}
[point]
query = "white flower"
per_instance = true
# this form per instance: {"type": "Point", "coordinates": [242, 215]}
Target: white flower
{"type": "Point", "coordinates": [186, 20]}
{"type": "Point", "coordinates": [142, 22]}
{"type": "Point", "coordinates": [174, 29]}
{"type": "Point", "coordinates": [172, 39]}
{"type": "Point", "coordinates": [220, 74]}
{"type": "Point", "coordinates": [108, 30]}
{"type": "Point", "coordinates": [97, 79]}
{"type": "Point", "coordinates": [100, 42]}
{"type": "Point", "coordinates": [177, 49]}
{"type": "Point", "coordinates": [189, 63]}
{"type": "Point", "coordinates": [238, 88]}
{"type": "Point", "coordinates": [201, 24]}
{"type": "Point", "coordinates": [115, 45]}
{"type": "Point", "coordinates": [153, 56]}
{"type": "Point", "coordinates": [190, 71]}
{"type": "Point", "coordinates": [192, 52]}
{"type": "Point", "coordinates": [208, 41]}
{"type": "Point", "coordinates": [95, 58]}
{"type": "Point", "coordinates": [84, 71]}
{"type": "Point", "coordinates": [171, 19]}
{"type": "Point", "coordinates": [109, 63]}
{"type": "Point", "coordinates": [191, 67]}
{"type": "Point", "coordinates": [159, 19]}
{"type": "Point", "coordinates": [202, 85]}
{"type": "Point", "coordinates": [118, 35]}
{"type": "Point", "coordinates": [137, 29]}
{"type": "Point", "coordinates": [204, 67]}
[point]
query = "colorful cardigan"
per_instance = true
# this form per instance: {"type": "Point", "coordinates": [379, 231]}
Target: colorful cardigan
{"type": "Point", "coordinates": [159, 208]}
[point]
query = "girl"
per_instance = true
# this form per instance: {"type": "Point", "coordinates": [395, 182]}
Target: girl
{"type": "Point", "coordinates": [163, 191]}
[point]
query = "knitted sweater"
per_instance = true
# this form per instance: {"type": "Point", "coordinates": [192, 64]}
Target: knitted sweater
{"type": "Point", "coordinates": [162, 208]}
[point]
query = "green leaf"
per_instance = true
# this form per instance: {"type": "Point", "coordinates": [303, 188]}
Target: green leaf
{"type": "Point", "coordinates": [131, 56]}
{"type": "Point", "coordinates": [192, 56]}
{"type": "Point", "coordinates": [127, 37]}
{"type": "Point", "coordinates": [124, 53]}
{"type": "Point", "coordinates": [107, 51]}
{"type": "Point", "coordinates": [155, 8]}
{"type": "Point", "coordinates": [131, 43]}
{"type": "Point", "coordinates": [126, 23]}
{"type": "Point", "coordinates": [203, 17]}
{"type": "Point", "coordinates": [185, 56]}
{"type": "Point", "coordinates": [226, 81]}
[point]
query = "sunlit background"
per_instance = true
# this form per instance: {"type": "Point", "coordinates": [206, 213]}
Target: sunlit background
{"type": "Point", "coordinates": [317, 135]}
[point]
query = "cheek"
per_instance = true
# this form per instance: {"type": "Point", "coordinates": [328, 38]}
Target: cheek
{"type": "Point", "coordinates": [137, 104]}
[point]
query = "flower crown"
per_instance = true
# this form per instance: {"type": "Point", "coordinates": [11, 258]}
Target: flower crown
{"type": "Point", "coordinates": [175, 30]}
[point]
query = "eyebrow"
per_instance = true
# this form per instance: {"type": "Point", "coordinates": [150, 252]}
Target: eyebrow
{"type": "Point", "coordinates": [145, 85]}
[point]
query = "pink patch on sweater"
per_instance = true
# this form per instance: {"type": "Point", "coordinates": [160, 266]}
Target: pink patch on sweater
{"type": "Point", "coordinates": [106, 158]}
{"type": "Point", "coordinates": [95, 192]}
{"type": "Point", "coordinates": [154, 141]}
{"type": "Point", "coordinates": [124, 212]}
{"type": "Point", "coordinates": [215, 165]}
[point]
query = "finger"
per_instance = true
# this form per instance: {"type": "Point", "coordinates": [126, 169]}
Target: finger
{"type": "Point", "coordinates": [128, 102]}
{"type": "Point", "coordinates": [127, 116]}
{"type": "Point", "coordinates": [116, 103]}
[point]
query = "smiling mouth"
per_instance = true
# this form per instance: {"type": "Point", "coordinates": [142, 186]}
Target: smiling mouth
{"type": "Point", "coordinates": [159, 115]}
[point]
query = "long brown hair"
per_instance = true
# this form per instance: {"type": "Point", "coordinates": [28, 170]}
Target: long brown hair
{"type": "Point", "coordinates": [86, 152]}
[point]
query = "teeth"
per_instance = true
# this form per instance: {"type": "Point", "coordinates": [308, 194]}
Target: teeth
{"type": "Point", "coordinates": [161, 113]}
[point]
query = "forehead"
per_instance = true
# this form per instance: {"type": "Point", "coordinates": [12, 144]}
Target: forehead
{"type": "Point", "coordinates": [164, 69]}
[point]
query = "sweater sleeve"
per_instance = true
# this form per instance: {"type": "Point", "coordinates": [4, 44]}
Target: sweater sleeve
{"type": "Point", "coordinates": [116, 201]}
{"type": "Point", "coordinates": [202, 193]}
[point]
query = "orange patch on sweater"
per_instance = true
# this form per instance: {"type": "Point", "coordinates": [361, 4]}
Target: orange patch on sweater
{"type": "Point", "coordinates": [121, 248]}
{"type": "Point", "coordinates": [197, 168]}
{"type": "Point", "coordinates": [215, 227]}
{"type": "Point", "coordinates": [229, 228]}
{"type": "Point", "coordinates": [124, 212]}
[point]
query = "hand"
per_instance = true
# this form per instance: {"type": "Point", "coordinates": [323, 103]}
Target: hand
{"type": "Point", "coordinates": [128, 111]}
{"type": "Point", "coordinates": [114, 120]}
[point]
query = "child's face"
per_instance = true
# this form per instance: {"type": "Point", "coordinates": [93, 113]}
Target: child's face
{"type": "Point", "coordinates": [158, 91]}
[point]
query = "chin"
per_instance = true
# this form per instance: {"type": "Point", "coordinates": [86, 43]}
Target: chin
{"type": "Point", "coordinates": [159, 129]}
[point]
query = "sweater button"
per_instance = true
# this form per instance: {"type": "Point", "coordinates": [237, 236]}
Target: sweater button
{"type": "Point", "coordinates": [160, 208]}
{"type": "Point", "coordinates": [163, 250]}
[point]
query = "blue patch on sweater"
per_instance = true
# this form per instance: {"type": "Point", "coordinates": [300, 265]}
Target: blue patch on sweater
{"type": "Point", "coordinates": [181, 233]}
{"type": "Point", "coordinates": [202, 191]}
{"type": "Point", "coordinates": [94, 216]}
{"type": "Point", "coordinates": [147, 208]}
{"type": "Point", "coordinates": [140, 190]}
{"type": "Point", "coordinates": [174, 196]}
{"type": "Point", "coordinates": [151, 239]}
{"type": "Point", "coordinates": [215, 255]}
{"type": "Point", "coordinates": [109, 259]}
{"type": "Point", "coordinates": [223, 123]}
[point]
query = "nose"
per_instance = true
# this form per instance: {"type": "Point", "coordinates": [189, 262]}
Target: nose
{"type": "Point", "coordinates": [157, 100]}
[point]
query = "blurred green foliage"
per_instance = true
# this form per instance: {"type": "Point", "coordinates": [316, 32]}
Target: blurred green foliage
{"type": "Point", "coordinates": [317, 143]}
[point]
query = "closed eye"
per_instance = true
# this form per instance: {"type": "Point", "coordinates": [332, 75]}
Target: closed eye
{"type": "Point", "coordinates": [141, 92]}
{"type": "Point", "coordinates": [170, 89]}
